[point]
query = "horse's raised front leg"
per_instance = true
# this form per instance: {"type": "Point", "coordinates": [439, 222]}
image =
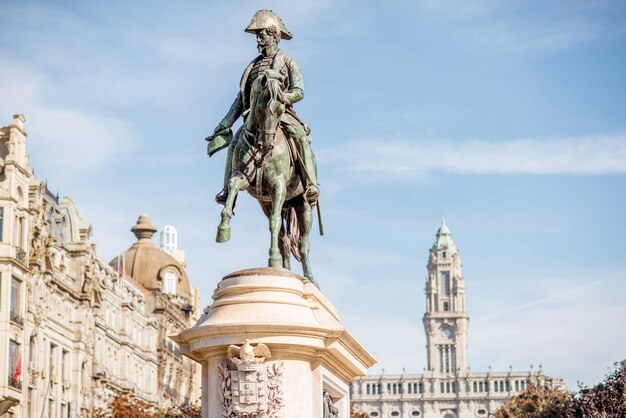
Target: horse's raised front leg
{"type": "Point", "coordinates": [279, 192]}
{"type": "Point", "coordinates": [305, 219]}
{"type": "Point", "coordinates": [235, 184]}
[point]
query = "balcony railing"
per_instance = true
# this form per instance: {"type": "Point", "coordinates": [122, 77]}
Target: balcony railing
{"type": "Point", "coordinates": [16, 318]}
{"type": "Point", "coordinates": [15, 382]}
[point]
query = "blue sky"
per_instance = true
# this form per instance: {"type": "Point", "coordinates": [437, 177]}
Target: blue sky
{"type": "Point", "coordinates": [507, 118]}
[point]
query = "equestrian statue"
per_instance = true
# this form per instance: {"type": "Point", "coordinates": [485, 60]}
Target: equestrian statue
{"type": "Point", "coordinates": [270, 154]}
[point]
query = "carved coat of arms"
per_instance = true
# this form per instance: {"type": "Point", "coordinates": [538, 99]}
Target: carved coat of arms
{"type": "Point", "coordinates": [251, 389]}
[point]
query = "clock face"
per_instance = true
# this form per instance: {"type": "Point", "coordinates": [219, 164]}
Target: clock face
{"type": "Point", "coordinates": [447, 332]}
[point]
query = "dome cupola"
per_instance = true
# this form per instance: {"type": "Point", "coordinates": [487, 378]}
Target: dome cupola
{"type": "Point", "coordinates": [151, 267]}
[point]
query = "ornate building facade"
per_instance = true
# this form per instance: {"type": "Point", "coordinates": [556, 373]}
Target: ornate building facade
{"type": "Point", "coordinates": [447, 388]}
{"type": "Point", "coordinates": [75, 330]}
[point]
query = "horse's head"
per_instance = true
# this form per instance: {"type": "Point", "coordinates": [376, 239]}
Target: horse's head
{"type": "Point", "coordinates": [268, 109]}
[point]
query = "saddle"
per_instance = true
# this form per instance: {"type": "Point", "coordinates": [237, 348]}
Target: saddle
{"type": "Point", "coordinates": [252, 161]}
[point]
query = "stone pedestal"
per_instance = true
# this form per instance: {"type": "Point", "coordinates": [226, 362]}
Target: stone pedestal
{"type": "Point", "coordinates": [278, 311]}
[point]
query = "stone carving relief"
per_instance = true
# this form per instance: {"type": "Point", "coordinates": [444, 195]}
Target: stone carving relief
{"type": "Point", "coordinates": [330, 410]}
{"type": "Point", "coordinates": [248, 387]}
{"type": "Point", "coordinates": [91, 284]}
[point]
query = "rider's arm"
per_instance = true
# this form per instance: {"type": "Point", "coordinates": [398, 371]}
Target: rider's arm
{"type": "Point", "coordinates": [233, 113]}
{"type": "Point", "coordinates": [296, 83]}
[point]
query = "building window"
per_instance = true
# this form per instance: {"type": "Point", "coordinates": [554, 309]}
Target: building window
{"type": "Point", "coordinates": [421, 388]}
{"type": "Point", "coordinates": [374, 414]}
{"type": "Point", "coordinates": [15, 365]}
{"type": "Point", "coordinates": [481, 412]}
{"type": "Point", "coordinates": [446, 306]}
{"type": "Point", "coordinates": [475, 385]}
{"type": "Point", "coordinates": [1, 224]}
{"type": "Point", "coordinates": [367, 389]}
{"type": "Point", "coordinates": [501, 386]}
{"type": "Point", "coordinates": [395, 414]}
{"type": "Point", "coordinates": [517, 385]}
{"type": "Point", "coordinates": [445, 283]}
{"type": "Point", "coordinates": [415, 413]}
{"type": "Point", "coordinates": [169, 287]}
{"type": "Point", "coordinates": [441, 387]}
{"type": "Point", "coordinates": [16, 306]}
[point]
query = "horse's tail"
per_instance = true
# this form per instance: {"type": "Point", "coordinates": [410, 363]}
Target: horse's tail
{"type": "Point", "coordinates": [290, 217]}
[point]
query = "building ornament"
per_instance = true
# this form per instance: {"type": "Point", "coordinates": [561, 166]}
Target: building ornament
{"type": "Point", "coordinates": [248, 387]}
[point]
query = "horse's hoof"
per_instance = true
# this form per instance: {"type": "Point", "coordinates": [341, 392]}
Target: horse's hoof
{"type": "Point", "coordinates": [275, 262]}
{"type": "Point", "coordinates": [310, 277]}
{"type": "Point", "coordinates": [223, 235]}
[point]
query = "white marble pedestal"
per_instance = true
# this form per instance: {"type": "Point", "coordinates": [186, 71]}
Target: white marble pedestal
{"type": "Point", "coordinates": [301, 329]}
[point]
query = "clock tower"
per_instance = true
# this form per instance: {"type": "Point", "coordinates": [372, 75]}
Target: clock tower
{"type": "Point", "coordinates": [445, 320]}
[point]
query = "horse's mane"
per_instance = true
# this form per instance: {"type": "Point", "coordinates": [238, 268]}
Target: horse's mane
{"type": "Point", "coordinates": [273, 88]}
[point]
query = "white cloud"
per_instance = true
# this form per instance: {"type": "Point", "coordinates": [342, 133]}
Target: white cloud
{"type": "Point", "coordinates": [597, 154]}
{"type": "Point", "coordinates": [511, 37]}
{"type": "Point", "coordinates": [445, 11]}
{"type": "Point", "coordinates": [70, 140]}
{"type": "Point", "coordinates": [564, 318]}
{"type": "Point", "coordinates": [491, 26]}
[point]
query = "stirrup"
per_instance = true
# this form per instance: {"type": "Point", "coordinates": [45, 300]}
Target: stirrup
{"type": "Point", "coordinates": [311, 193]}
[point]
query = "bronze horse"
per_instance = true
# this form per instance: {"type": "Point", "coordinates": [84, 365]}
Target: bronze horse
{"type": "Point", "coordinates": [263, 164]}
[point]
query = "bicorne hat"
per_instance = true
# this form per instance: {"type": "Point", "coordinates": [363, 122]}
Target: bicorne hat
{"type": "Point", "coordinates": [266, 18]}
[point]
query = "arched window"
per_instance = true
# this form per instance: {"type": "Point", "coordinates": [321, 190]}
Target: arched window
{"type": "Point", "coordinates": [169, 239]}
{"type": "Point", "coordinates": [169, 283]}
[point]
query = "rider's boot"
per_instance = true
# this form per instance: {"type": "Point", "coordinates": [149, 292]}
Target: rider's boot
{"type": "Point", "coordinates": [221, 197]}
{"type": "Point", "coordinates": [311, 188]}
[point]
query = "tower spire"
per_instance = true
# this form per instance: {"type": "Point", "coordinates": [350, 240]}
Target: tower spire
{"type": "Point", "coordinates": [445, 320]}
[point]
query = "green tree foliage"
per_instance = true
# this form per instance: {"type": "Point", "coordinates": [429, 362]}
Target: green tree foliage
{"type": "Point", "coordinates": [605, 400]}
{"type": "Point", "coordinates": [355, 414]}
{"type": "Point", "coordinates": [125, 406]}
{"type": "Point", "coordinates": [537, 402]}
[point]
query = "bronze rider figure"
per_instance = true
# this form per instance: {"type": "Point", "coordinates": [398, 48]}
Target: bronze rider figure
{"type": "Point", "coordinates": [269, 30]}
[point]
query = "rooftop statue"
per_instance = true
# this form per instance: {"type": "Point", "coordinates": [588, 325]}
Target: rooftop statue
{"type": "Point", "coordinates": [270, 154]}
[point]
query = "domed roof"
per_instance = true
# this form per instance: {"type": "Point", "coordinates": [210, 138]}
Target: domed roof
{"type": "Point", "coordinates": [148, 265]}
{"type": "Point", "coordinates": [443, 239]}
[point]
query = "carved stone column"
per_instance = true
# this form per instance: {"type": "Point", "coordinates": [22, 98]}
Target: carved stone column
{"type": "Point", "coordinates": [271, 344]}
